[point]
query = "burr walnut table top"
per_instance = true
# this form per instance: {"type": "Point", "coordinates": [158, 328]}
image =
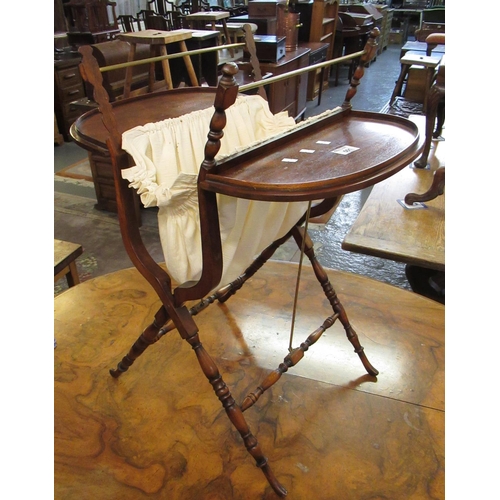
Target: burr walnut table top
{"type": "Point", "coordinates": [329, 429]}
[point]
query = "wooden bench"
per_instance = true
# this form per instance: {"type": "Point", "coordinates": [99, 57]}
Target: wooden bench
{"type": "Point", "coordinates": [65, 255]}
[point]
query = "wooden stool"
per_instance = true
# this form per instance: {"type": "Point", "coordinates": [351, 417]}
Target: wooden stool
{"type": "Point", "coordinates": [158, 41]}
{"type": "Point", "coordinates": [65, 255]}
{"type": "Point", "coordinates": [407, 61]}
{"type": "Point", "coordinates": [212, 18]}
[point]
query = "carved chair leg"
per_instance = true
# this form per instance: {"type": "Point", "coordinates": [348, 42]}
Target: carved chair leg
{"type": "Point", "coordinates": [149, 336]}
{"type": "Point", "coordinates": [298, 234]}
{"type": "Point", "coordinates": [233, 411]}
{"type": "Point", "coordinates": [435, 96]}
{"type": "Point", "coordinates": [436, 189]}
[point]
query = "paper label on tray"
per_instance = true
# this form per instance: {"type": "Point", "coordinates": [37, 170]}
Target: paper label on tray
{"type": "Point", "coordinates": [345, 150]}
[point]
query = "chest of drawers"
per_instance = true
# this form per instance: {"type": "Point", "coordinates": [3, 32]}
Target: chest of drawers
{"type": "Point", "coordinates": [68, 87]}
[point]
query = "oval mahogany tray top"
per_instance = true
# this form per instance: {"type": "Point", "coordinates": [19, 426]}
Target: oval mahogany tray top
{"type": "Point", "coordinates": [335, 155]}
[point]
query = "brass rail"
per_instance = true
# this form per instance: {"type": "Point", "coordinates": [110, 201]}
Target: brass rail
{"type": "Point", "coordinates": [248, 86]}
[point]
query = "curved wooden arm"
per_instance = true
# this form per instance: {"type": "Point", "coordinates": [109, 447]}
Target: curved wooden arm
{"type": "Point", "coordinates": [227, 91]}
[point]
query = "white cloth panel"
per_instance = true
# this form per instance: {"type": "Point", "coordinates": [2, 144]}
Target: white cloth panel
{"type": "Point", "coordinates": [168, 156]}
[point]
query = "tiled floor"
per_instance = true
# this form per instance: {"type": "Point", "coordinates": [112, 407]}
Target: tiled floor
{"type": "Point", "coordinates": [76, 219]}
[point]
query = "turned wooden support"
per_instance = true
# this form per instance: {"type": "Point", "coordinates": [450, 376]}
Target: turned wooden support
{"type": "Point", "coordinates": [299, 234]}
{"type": "Point", "coordinates": [290, 360]}
{"type": "Point", "coordinates": [233, 411]}
{"type": "Point", "coordinates": [211, 274]}
{"type": "Point", "coordinates": [370, 51]}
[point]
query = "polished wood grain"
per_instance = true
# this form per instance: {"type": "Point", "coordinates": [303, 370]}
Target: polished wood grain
{"type": "Point", "coordinates": [329, 429]}
{"type": "Point", "coordinates": [385, 229]}
{"type": "Point", "coordinates": [384, 144]}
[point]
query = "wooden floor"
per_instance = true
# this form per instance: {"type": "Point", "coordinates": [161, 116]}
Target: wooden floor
{"type": "Point", "coordinates": [330, 430]}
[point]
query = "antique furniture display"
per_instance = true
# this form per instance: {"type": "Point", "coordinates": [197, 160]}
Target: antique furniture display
{"type": "Point", "coordinates": [320, 159]}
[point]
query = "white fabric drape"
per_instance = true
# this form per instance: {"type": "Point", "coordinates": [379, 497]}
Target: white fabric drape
{"type": "Point", "coordinates": [168, 155]}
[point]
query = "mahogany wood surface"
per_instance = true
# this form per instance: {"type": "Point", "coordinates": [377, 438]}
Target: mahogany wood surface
{"type": "Point", "coordinates": [330, 430]}
{"type": "Point", "coordinates": [385, 229]}
{"type": "Point", "coordinates": [384, 143]}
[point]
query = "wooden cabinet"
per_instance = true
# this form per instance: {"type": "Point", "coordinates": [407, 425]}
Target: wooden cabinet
{"type": "Point", "coordinates": [68, 87]}
{"type": "Point", "coordinates": [319, 24]}
{"type": "Point", "coordinates": [318, 54]}
{"type": "Point", "coordinates": [290, 94]}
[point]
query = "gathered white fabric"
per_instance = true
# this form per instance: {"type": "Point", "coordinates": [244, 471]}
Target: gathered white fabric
{"type": "Point", "coordinates": [168, 156]}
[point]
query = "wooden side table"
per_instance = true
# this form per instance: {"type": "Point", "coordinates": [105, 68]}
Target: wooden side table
{"type": "Point", "coordinates": [65, 255]}
{"type": "Point", "coordinates": [158, 41]}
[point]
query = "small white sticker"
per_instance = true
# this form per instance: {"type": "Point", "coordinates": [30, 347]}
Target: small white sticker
{"type": "Point", "coordinates": [307, 150]}
{"type": "Point", "coordinates": [345, 150]}
{"type": "Point", "coordinates": [323, 142]}
{"type": "Point", "coordinates": [289, 160]}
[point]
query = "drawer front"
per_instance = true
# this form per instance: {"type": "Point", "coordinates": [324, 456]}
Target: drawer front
{"type": "Point", "coordinates": [262, 9]}
{"type": "Point", "coordinates": [318, 57]}
{"type": "Point", "coordinates": [68, 77]}
{"type": "Point", "coordinates": [70, 94]}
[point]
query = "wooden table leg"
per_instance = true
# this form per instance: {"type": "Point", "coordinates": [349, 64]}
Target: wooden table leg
{"type": "Point", "coordinates": [128, 72]}
{"type": "Point", "coordinates": [189, 65]}
{"type": "Point", "coordinates": [166, 67]}
{"type": "Point", "coordinates": [226, 34]}
{"type": "Point", "coordinates": [399, 84]}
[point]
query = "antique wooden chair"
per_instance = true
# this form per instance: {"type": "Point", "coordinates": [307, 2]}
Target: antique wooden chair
{"type": "Point", "coordinates": [207, 287]}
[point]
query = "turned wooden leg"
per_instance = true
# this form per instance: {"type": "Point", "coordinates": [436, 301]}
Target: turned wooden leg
{"type": "Point", "coordinates": [233, 411]}
{"type": "Point", "coordinates": [331, 295]}
{"type": "Point", "coordinates": [290, 360]}
{"type": "Point", "coordinates": [149, 336]}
